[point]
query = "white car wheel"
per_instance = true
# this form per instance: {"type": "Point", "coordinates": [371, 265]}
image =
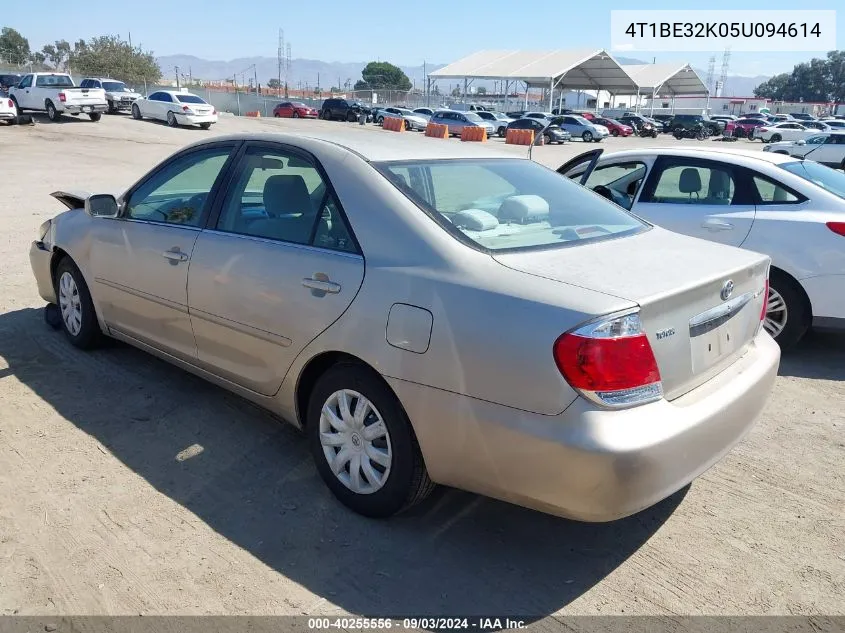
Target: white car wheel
{"type": "Point", "coordinates": [776, 314]}
{"type": "Point", "coordinates": [355, 441]}
{"type": "Point", "coordinates": [70, 304]}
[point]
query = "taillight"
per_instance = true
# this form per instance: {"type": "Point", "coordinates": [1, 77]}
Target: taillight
{"type": "Point", "coordinates": [837, 227]}
{"type": "Point", "coordinates": [610, 362]}
{"type": "Point", "coordinates": [213, 110]}
{"type": "Point", "coordinates": [765, 301]}
{"type": "Point", "coordinates": [11, 103]}
{"type": "Point", "coordinates": [764, 129]}
{"type": "Point", "coordinates": [62, 97]}
{"type": "Point", "coordinates": [185, 109]}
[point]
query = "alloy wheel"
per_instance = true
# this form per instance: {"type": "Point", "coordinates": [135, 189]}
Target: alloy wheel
{"type": "Point", "coordinates": [70, 304]}
{"type": "Point", "coordinates": [776, 313]}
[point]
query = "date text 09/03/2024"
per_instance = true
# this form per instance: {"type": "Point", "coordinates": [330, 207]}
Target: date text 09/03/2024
{"type": "Point", "coordinates": [429, 623]}
{"type": "Point", "coordinates": [723, 29]}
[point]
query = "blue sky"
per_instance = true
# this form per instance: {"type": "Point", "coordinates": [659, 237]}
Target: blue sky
{"type": "Point", "coordinates": [437, 31]}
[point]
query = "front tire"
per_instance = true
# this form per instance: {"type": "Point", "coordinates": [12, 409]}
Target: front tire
{"type": "Point", "coordinates": [112, 109]}
{"type": "Point", "coordinates": [79, 320]}
{"type": "Point", "coordinates": [775, 138]}
{"type": "Point", "coordinates": [502, 132]}
{"type": "Point", "coordinates": [615, 132]}
{"type": "Point", "coordinates": [295, 114]}
{"type": "Point", "coordinates": [788, 311]}
{"type": "Point", "coordinates": [136, 112]}
{"type": "Point", "coordinates": [587, 137]}
{"type": "Point", "coordinates": [363, 444]}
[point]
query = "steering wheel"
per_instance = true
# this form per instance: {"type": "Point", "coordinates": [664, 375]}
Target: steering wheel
{"type": "Point", "coordinates": [605, 192]}
{"type": "Point", "coordinates": [614, 196]}
{"type": "Point", "coordinates": [197, 201]}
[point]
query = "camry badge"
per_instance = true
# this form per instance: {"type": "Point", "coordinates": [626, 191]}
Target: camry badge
{"type": "Point", "coordinates": [727, 290]}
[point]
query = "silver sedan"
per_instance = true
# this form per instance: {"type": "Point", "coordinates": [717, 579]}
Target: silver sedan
{"type": "Point", "coordinates": [427, 312]}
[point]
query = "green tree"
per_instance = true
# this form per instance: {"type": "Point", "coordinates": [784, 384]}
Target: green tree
{"type": "Point", "coordinates": [38, 58]}
{"type": "Point", "coordinates": [481, 90]}
{"type": "Point", "coordinates": [456, 92]}
{"type": "Point", "coordinates": [816, 80]}
{"type": "Point", "coordinates": [382, 75]}
{"type": "Point", "coordinates": [110, 56]}
{"type": "Point", "coordinates": [274, 83]}
{"type": "Point", "coordinates": [57, 54]}
{"type": "Point", "coordinates": [14, 47]}
{"type": "Point", "coordinates": [773, 88]}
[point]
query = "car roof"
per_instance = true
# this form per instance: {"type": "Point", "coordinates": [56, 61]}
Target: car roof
{"type": "Point", "coordinates": [177, 93]}
{"type": "Point", "coordinates": [104, 79]}
{"type": "Point", "coordinates": [375, 147]}
{"type": "Point", "coordinates": [735, 155]}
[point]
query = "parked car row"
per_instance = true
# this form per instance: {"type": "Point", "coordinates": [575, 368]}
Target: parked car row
{"type": "Point", "coordinates": [56, 95]}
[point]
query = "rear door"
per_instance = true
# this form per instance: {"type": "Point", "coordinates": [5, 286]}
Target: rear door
{"type": "Point", "coordinates": [277, 266]}
{"type": "Point", "coordinates": [709, 199]}
{"type": "Point", "coordinates": [831, 152]}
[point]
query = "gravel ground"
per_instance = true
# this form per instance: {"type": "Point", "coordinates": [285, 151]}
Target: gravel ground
{"type": "Point", "coordinates": [100, 513]}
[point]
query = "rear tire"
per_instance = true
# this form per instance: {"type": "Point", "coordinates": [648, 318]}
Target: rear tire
{"type": "Point", "coordinates": [205, 126]}
{"type": "Point", "coordinates": [614, 133]}
{"type": "Point", "coordinates": [79, 320]}
{"type": "Point", "coordinates": [295, 114]}
{"type": "Point", "coordinates": [398, 480]}
{"type": "Point", "coordinates": [502, 132]}
{"type": "Point", "coordinates": [52, 113]}
{"type": "Point", "coordinates": [95, 116]}
{"type": "Point", "coordinates": [171, 120]}
{"type": "Point", "coordinates": [112, 109]}
{"type": "Point", "coordinates": [788, 311]}
{"type": "Point", "coordinates": [775, 138]}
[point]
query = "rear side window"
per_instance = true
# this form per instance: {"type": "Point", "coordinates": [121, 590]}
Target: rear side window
{"type": "Point", "coordinates": [508, 204]}
{"type": "Point", "coordinates": [771, 192]}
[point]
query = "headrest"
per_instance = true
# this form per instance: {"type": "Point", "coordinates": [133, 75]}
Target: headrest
{"type": "Point", "coordinates": [475, 220]}
{"type": "Point", "coordinates": [524, 208]}
{"type": "Point", "coordinates": [690, 180]}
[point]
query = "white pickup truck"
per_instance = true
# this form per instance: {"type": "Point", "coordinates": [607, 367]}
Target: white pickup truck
{"type": "Point", "coordinates": [56, 94]}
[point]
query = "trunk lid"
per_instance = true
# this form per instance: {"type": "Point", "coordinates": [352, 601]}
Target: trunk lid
{"type": "Point", "coordinates": [695, 325]}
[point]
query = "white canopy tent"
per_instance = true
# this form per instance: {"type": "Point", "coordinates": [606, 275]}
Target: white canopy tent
{"type": "Point", "coordinates": [666, 80]}
{"type": "Point", "coordinates": [585, 69]}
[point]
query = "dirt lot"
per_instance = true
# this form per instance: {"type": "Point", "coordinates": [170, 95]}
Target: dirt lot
{"type": "Point", "coordinates": [100, 513]}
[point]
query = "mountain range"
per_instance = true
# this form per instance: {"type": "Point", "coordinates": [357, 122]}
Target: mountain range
{"type": "Point", "coordinates": [311, 72]}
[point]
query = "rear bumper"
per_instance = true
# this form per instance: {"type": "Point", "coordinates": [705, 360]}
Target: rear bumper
{"type": "Point", "coordinates": [84, 109]}
{"type": "Point", "coordinates": [195, 119]}
{"type": "Point", "coordinates": [39, 260]}
{"type": "Point", "coordinates": [826, 296]}
{"type": "Point", "coordinates": [588, 463]}
{"type": "Point", "coordinates": [5, 116]}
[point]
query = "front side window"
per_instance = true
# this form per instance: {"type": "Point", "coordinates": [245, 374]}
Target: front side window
{"type": "Point", "coordinates": [177, 193]}
{"type": "Point", "coordinates": [816, 140]}
{"type": "Point", "coordinates": [508, 204]}
{"type": "Point", "coordinates": [623, 179]}
{"type": "Point", "coordinates": [693, 184]}
{"type": "Point", "coordinates": [278, 195]}
{"type": "Point", "coordinates": [26, 82]}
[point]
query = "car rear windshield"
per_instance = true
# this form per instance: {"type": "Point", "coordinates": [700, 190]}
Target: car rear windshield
{"type": "Point", "coordinates": [188, 99]}
{"type": "Point", "coordinates": [54, 81]}
{"type": "Point", "coordinates": [505, 204]}
{"type": "Point", "coordinates": [829, 179]}
{"type": "Point", "coordinates": [114, 86]}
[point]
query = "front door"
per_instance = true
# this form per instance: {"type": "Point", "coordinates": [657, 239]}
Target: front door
{"type": "Point", "coordinates": [277, 267]}
{"type": "Point", "coordinates": [702, 198]}
{"type": "Point", "coordinates": [24, 94]}
{"type": "Point", "coordinates": [140, 260]}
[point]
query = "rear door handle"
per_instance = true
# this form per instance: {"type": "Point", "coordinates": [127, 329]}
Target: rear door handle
{"type": "Point", "coordinates": [175, 256]}
{"type": "Point", "coordinates": [321, 285]}
{"type": "Point", "coordinates": [717, 225]}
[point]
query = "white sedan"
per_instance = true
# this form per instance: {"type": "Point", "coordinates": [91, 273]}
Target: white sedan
{"type": "Point", "coordinates": [827, 148]}
{"type": "Point", "coordinates": [8, 111]}
{"type": "Point", "coordinates": [786, 131]}
{"type": "Point", "coordinates": [175, 107]}
{"type": "Point", "coordinates": [790, 209]}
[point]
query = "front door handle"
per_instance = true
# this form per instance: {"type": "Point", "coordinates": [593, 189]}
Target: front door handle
{"type": "Point", "coordinates": [716, 225]}
{"type": "Point", "coordinates": [321, 283]}
{"type": "Point", "coordinates": [175, 256]}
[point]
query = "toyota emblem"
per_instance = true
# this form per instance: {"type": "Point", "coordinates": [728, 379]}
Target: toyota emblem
{"type": "Point", "coordinates": [727, 290]}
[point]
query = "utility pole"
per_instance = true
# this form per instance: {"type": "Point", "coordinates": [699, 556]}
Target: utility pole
{"type": "Point", "coordinates": [176, 68]}
{"type": "Point", "coordinates": [255, 76]}
{"type": "Point", "coordinates": [281, 47]}
{"type": "Point", "coordinates": [190, 76]}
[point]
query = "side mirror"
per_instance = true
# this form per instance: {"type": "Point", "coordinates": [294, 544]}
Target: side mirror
{"type": "Point", "coordinates": [101, 205]}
